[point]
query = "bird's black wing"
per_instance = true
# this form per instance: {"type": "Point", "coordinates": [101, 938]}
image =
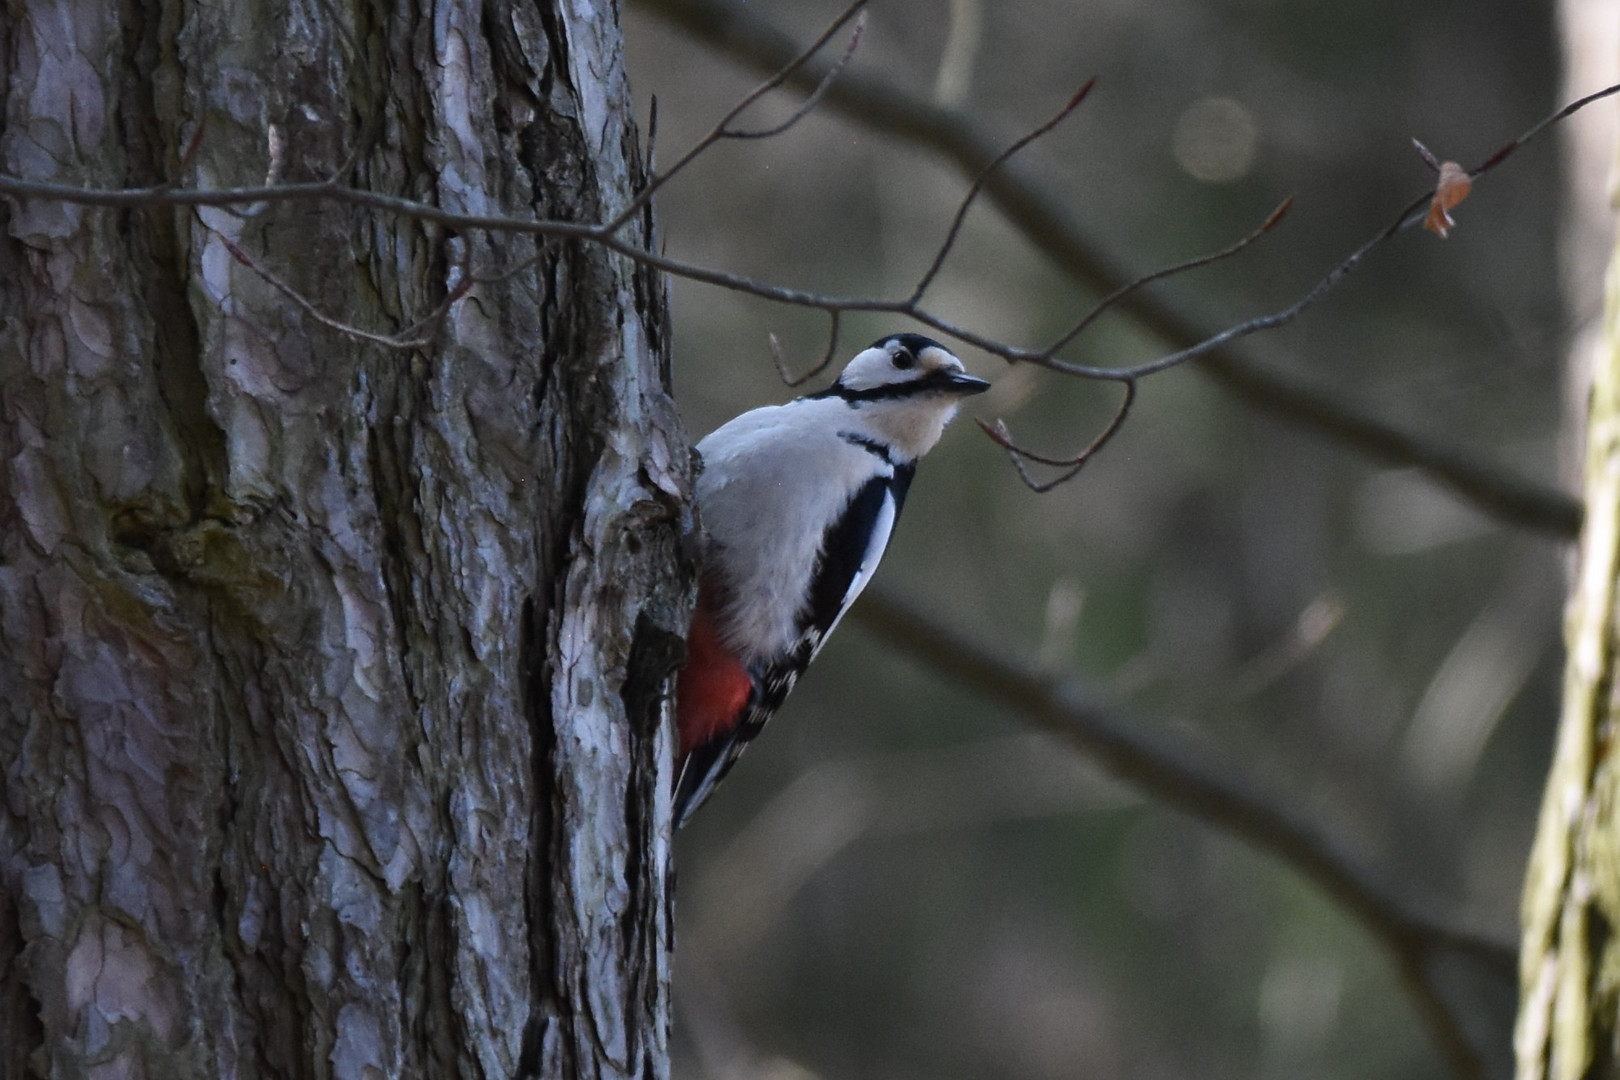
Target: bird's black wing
{"type": "Point", "coordinates": [849, 554]}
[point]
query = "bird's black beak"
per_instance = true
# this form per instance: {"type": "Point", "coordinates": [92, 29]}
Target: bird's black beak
{"type": "Point", "coordinates": [966, 385]}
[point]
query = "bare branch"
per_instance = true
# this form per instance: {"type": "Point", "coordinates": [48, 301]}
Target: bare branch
{"type": "Point", "coordinates": [1042, 217]}
{"type": "Point", "coordinates": [310, 191]}
{"type": "Point", "coordinates": [816, 95]}
{"type": "Point", "coordinates": [405, 339]}
{"type": "Point", "coordinates": [1411, 215]}
{"type": "Point", "coordinates": [462, 279]}
{"type": "Point", "coordinates": [1492, 489]}
{"type": "Point", "coordinates": [1071, 466]}
{"type": "Point", "coordinates": [1567, 111]}
{"type": "Point", "coordinates": [978, 185]}
{"type": "Point", "coordinates": [603, 235]}
{"type": "Point", "coordinates": [723, 130]}
{"type": "Point", "coordinates": [1186, 777]}
{"type": "Point", "coordinates": [1191, 264]}
{"type": "Point", "coordinates": [1319, 619]}
{"type": "Point", "coordinates": [1264, 322]}
{"type": "Point", "coordinates": [780, 360]}
{"type": "Point", "coordinates": [188, 155]}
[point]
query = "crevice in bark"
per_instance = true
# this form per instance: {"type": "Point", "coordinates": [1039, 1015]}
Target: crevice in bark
{"type": "Point", "coordinates": [441, 929]}
{"type": "Point", "coordinates": [230, 866]}
{"type": "Point", "coordinates": [554, 151]}
{"type": "Point", "coordinates": [388, 457]}
{"type": "Point", "coordinates": [548, 272]}
{"type": "Point", "coordinates": [5, 71]}
{"type": "Point", "coordinates": [19, 1008]}
{"type": "Point", "coordinates": [365, 87]}
{"type": "Point", "coordinates": [427, 958]}
{"type": "Point", "coordinates": [270, 985]}
{"type": "Point", "coordinates": [514, 66]}
{"type": "Point", "coordinates": [151, 236]}
{"type": "Point", "coordinates": [534, 1035]}
{"type": "Point", "coordinates": [638, 828]}
{"type": "Point", "coordinates": [655, 654]}
{"type": "Point", "coordinates": [540, 908]}
{"type": "Point", "coordinates": [652, 301]}
{"type": "Point", "coordinates": [556, 52]}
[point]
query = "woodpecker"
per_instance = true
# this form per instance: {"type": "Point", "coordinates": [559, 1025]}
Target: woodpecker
{"type": "Point", "coordinates": [798, 502]}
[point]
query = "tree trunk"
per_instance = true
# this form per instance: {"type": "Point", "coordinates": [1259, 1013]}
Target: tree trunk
{"type": "Point", "coordinates": [1570, 957]}
{"type": "Point", "coordinates": [1569, 1013]}
{"type": "Point", "coordinates": [331, 677]}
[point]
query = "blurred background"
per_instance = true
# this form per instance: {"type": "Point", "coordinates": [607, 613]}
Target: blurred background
{"type": "Point", "coordinates": [905, 878]}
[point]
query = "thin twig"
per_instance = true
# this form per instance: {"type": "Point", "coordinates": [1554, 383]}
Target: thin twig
{"type": "Point", "coordinates": [1504, 494]}
{"type": "Point", "coordinates": [1411, 215]}
{"type": "Point", "coordinates": [511, 271]}
{"type": "Point", "coordinates": [1567, 111]}
{"type": "Point", "coordinates": [462, 281]}
{"type": "Point", "coordinates": [1044, 219]}
{"type": "Point", "coordinates": [405, 339]}
{"type": "Point", "coordinates": [187, 156]}
{"type": "Point", "coordinates": [1003, 438]}
{"type": "Point", "coordinates": [721, 130]}
{"type": "Point", "coordinates": [809, 104]}
{"type": "Point", "coordinates": [780, 359]}
{"type": "Point", "coordinates": [363, 142]}
{"type": "Point", "coordinates": [1158, 275]}
{"type": "Point", "coordinates": [978, 186]}
{"type": "Point", "coordinates": [1338, 273]}
{"type": "Point", "coordinates": [603, 235]}
{"type": "Point", "coordinates": [1427, 155]}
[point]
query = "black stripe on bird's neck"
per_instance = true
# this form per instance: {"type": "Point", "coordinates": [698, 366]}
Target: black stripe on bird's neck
{"type": "Point", "coordinates": [882, 451]}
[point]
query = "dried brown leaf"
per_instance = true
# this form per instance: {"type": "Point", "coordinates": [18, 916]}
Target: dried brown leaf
{"type": "Point", "coordinates": [1453, 188]}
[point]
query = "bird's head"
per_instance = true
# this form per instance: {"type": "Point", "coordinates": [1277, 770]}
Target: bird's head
{"type": "Point", "coordinates": [904, 366]}
{"type": "Point", "coordinates": [906, 388]}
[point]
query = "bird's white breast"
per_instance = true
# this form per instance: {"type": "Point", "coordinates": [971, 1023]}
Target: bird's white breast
{"type": "Point", "coordinates": [773, 481]}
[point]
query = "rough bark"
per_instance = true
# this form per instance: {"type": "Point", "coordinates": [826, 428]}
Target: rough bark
{"type": "Point", "coordinates": [330, 711]}
{"type": "Point", "coordinates": [1570, 956]}
{"type": "Point", "coordinates": [1569, 1013]}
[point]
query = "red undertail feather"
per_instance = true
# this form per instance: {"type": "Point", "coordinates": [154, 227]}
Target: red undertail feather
{"type": "Point", "coordinates": [713, 687]}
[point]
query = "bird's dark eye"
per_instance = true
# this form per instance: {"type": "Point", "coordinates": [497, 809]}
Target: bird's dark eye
{"type": "Point", "coordinates": [904, 361]}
